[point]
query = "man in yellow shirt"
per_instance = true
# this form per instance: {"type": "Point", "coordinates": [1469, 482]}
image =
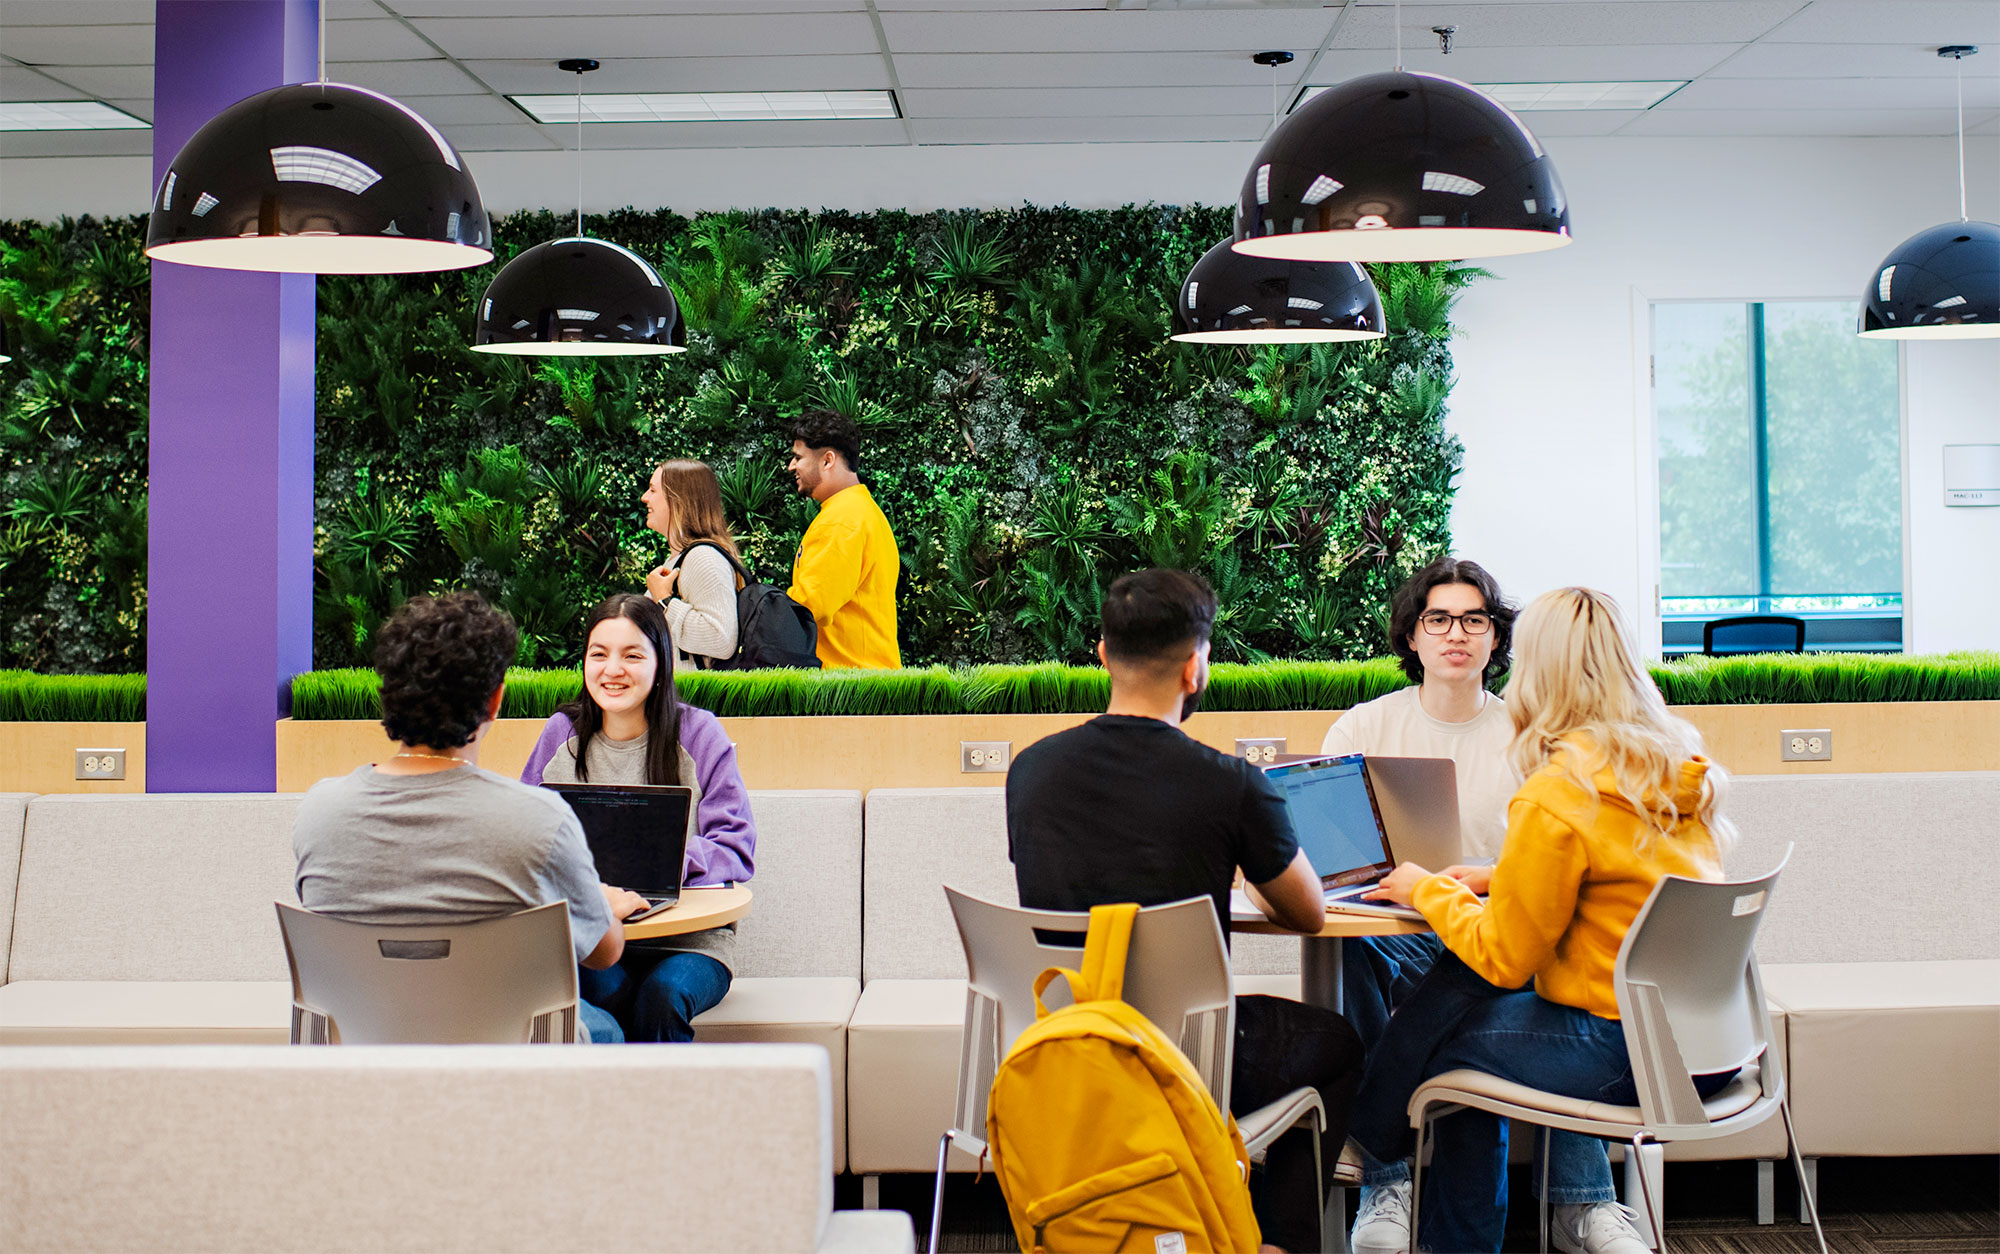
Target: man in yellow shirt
{"type": "Point", "coordinates": [845, 573]}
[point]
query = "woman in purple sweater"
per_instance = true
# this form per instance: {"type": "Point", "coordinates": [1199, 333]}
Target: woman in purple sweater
{"type": "Point", "coordinates": [628, 727]}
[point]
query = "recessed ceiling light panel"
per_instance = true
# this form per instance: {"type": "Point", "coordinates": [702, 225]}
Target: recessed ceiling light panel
{"type": "Point", "coordinates": [66, 115]}
{"type": "Point", "coordinates": [712, 106]}
{"type": "Point", "coordinates": [1560, 97]}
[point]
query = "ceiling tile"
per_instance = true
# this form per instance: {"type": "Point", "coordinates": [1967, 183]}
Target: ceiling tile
{"type": "Point", "coordinates": [1544, 25]}
{"type": "Point", "coordinates": [1590, 64]}
{"type": "Point", "coordinates": [1900, 59]}
{"type": "Point", "coordinates": [127, 82]}
{"type": "Point", "coordinates": [1794, 122]}
{"type": "Point", "coordinates": [133, 143]}
{"type": "Point", "coordinates": [406, 78]}
{"type": "Point", "coordinates": [448, 111]}
{"type": "Point", "coordinates": [381, 39]}
{"type": "Point", "coordinates": [1099, 30]}
{"type": "Point", "coordinates": [1558, 124]}
{"type": "Point", "coordinates": [522, 137]}
{"type": "Point", "coordinates": [80, 45]}
{"type": "Point", "coordinates": [614, 8]}
{"type": "Point", "coordinates": [137, 108]}
{"type": "Point", "coordinates": [20, 83]}
{"type": "Point", "coordinates": [1102, 102]}
{"type": "Point", "coordinates": [71, 13]}
{"type": "Point", "coordinates": [841, 73]}
{"type": "Point", "coordinates": [833, 133]}
{"type": "Point", "coordinates": [1833, 93]}
{"type": "Point", "coordinates": [1076, 69]}
{"type": "Point", "coordinates": [1902, 21]}
{"type": "Point", "coordinates": [977, 6]}
{"type": "Point", "coordinates": [1991, 126]}
{"type": "Point", "coordinates": [735, 35]}
{"type": "Point", "coordinates": [1087, 130]}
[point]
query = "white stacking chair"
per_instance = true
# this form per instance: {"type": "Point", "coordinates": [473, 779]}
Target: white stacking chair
{"type": "Point", "coordinates": [504, 981]}
{"type": "Point", "coordinates": [1691, 1002]}
{"type": "Point", "coordinates": [1177, 975]}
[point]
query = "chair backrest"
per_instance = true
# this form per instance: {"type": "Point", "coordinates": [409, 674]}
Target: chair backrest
{"type": "Point", "coordinates": [1177, 975]}
{"type": "Point", "coordinates": [1689, 994]}
{"type": "Point", "coordinates": [1754, 633]}
{"type": "Point", "coordinates": [504, 981]}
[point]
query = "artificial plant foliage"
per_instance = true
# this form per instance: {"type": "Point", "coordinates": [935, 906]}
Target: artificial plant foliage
{"type": "Point", "coordinates": [1029, 430]}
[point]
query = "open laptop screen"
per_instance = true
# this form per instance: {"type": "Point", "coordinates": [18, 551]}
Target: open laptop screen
{"type": "Point", "coordinates": [1334, 815]}
{"type": "Point", "coordinates": [637, 833]}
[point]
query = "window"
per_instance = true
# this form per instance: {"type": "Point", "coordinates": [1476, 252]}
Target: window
{"type": "Point", "coordinates": [1780, 455]}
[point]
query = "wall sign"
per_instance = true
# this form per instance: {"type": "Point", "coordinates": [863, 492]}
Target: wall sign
{"type": "Point", "coordinates": [1972, 474]}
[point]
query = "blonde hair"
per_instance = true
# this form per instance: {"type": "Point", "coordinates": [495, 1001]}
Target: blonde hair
{"type": "Point", "coordinates": [694, 506]}
{"type": "Point", "coordinates": [1576, 685]}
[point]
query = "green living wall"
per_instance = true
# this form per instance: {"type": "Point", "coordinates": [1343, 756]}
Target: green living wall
{"type": "Point", "coordinates": [1028, 428]}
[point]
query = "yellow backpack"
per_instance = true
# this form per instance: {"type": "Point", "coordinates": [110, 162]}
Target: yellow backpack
{"type": "Point", "coordinates": [1103, 1136]}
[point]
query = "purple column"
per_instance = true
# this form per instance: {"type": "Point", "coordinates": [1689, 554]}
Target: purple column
{"type": "Point", "coordinates": [230, 526]}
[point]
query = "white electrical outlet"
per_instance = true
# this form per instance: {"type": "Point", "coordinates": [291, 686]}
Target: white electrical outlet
{"type": "Point", "coordinates": [100, 764]}
{"type": "Point", "coordinates": [1261, 750]}
{"type": "Point", "coordinates": [1812, 745]}
{"type": "Point", "coordinates": [984, 755]}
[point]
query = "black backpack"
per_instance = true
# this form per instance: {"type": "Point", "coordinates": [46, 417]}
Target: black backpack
{"type": "Point", "coordinates": [771, 628]}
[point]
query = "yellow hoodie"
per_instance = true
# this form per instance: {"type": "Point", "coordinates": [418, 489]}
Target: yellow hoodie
{"type": "Point", "coordinates": [1568, 884]}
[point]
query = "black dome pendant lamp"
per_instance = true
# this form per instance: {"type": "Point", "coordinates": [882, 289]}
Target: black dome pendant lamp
{"type": "Point", "coordinates": [319, 178]}
{"type": "Point", "coordinates": [1401, 167]}
{"type": "Point", "coordinates": [1230, 298]}
{"type": "Point", "coordinates": [576, 296]}
{"type": "Point", "coordinates": [1942, 283]}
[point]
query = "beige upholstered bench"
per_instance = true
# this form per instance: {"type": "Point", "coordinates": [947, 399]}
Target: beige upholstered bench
{"type": "Point", "coordinates": [798, 951]}
{"type": "Point", "coordinates": [147, 919]}
{"type": "Point", "coordinates": [475, 1148]}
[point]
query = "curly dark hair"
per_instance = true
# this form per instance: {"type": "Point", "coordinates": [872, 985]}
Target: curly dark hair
{"type": "Point", "coordinates": [1415, 594]}
{"type": "Point", "coordinates": [440, 659]}
{"type": "Point", "coordinates": [826, 428]}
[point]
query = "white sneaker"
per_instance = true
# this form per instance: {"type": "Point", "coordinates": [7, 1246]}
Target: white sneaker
{"type": "Point", "coordinates": [1603, 1228]}
{"type": "Point", "coordinates": [1347, 1171]}
{"type": "Point", "coordinates": [1383, 1224]}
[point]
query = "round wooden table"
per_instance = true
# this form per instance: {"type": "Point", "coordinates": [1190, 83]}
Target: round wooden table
{"type": "Point", "coordinates": [698, 910]}
{"type": "Point", "coordinates": [1319, 954]}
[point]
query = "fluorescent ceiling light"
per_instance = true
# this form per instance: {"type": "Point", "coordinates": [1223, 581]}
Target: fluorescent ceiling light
{"type": "Point", "coordinates": [66, 115]}
{"type": "Point", "coordinates": [712, 106]}
{"type": "Point", "coordinates": [1554, 97]}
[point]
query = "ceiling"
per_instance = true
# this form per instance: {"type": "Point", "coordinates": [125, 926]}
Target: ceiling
{"type": "Point", "coordinates": [1063, 71]}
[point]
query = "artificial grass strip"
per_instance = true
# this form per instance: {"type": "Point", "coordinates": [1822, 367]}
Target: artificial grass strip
{"type": "Point", "coordinates": [26, 697]}
{"type": "Point", "coordinates": [1051, 688]}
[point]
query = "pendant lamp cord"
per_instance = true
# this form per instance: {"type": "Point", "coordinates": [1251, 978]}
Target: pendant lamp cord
{"type": "Point", "coordinates": [321, 8]}
{"type": "Point", "coordinates": [1399, 36]}
{"type": "Point", "coordinates": [1959, 61]}
{"type": "Point", "coordinates": [579, 152]}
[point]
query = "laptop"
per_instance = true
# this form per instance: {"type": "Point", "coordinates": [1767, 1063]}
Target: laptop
{"type": "Point", "coordinates": [637, 835]}
{"type": "Point", "coordinates": [1338, 820]}
{"type": "Point", "coordinates": [1418, 801]}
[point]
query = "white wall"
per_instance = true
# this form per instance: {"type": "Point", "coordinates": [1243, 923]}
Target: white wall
{"type": "Point", "coordinates": [1559, 482]}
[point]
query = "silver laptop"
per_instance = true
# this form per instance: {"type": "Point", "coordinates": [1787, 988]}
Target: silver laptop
{"type": "Point", "coordinates": [1418, 801]}
{"type": "Point", "coordinates": [1339, 825]}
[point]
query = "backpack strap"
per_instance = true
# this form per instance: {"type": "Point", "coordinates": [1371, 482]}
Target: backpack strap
{"type": "Point", "coordinates": [734, 565]}
{"type": "Point", "coordinates": [1105, 948]}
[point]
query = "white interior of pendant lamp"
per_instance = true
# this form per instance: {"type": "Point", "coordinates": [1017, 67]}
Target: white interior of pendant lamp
{"type": "Point", "coordinates": [322, 254]}
{"type": "Point", "coordinates": [1276, 335]}
{"type": "Point", "coordinates": [1938, 331]}
{"type": "Point", "coordinates": [579, 348]}
{"type": "Point", "coordinates": [1417, 243]}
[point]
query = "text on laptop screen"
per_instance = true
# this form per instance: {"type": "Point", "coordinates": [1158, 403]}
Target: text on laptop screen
{"type": "Point", "coordinates": [1335, 820]}
{"type": "Point", "coordinates": [634, 838]}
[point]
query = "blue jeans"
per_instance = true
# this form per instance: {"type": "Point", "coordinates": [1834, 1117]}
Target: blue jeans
{"type": "Point", "coordinates": [1456, 1019]}
{"type": "Point", "coordinates": [1379, 975]}
{"type": "Point", "coordinates": [654, 995]}
{"type": "Point", "coordinates": [599, 1028]}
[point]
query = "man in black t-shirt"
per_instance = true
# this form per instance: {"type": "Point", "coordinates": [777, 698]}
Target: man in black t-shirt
{"type": "Point", "coordinates": [1128, 808]}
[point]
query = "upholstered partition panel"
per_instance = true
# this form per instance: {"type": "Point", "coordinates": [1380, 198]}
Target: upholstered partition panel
{"type": "Point", "coordinates": [13, 816]}
{"type": "Point", "coordinates": [805, 913]}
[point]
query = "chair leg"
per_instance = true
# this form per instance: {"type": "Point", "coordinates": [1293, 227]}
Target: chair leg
{"type": "Point", "coordinates": [937, 1195]}
{"type": "Point", "coordinates": [1808, 1169]}
{"type": "Point", "coordinates": [1544, 1198]}
{"type": "Point", "coordinates": [1656, 1222]}
{"type": "Point", "coordinates": [1316, 1127]}
{"type": "Point", "coordinates": [1417, 1178]}
{"type": "Point", "coordinates": [871, 1192]}
{"type": "Point", "coordinates": [1651, 1162]}
{"type": "Point", "coordinates": [1767, 1191]}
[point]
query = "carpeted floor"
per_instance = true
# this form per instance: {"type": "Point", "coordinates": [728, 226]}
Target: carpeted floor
{"type": "Point", "coordinates": [1868, 1206]}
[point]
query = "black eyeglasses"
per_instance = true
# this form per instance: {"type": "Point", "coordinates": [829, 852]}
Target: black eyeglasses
{"type": "Point", "coordinates": [1438, 623]}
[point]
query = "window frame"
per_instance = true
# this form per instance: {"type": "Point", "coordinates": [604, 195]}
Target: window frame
{"type": "Point", "coordinates": [1664, 634]}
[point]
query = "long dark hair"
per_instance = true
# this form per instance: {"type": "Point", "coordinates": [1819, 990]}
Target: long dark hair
{"type": "Point", "coordinates": [663, 707]}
